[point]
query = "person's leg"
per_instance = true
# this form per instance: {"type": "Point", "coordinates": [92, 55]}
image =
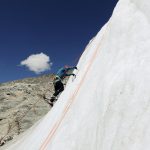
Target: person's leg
{"type": "Point", "coordinates": [59, 87]}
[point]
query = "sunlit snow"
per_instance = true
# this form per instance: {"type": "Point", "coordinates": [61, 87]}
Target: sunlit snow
{"type": "Point", "coordinates": [107, 107]}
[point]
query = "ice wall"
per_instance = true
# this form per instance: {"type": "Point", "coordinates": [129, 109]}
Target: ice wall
{"type": "Point", "coordinates": [107, 107]}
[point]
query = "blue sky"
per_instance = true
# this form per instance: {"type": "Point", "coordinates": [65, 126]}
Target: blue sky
{"type": "Point", "coordinates": [58, 28]}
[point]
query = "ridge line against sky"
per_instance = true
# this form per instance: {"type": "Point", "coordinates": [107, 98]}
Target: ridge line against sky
{"type": "Point", "coordinates": [59, 29]}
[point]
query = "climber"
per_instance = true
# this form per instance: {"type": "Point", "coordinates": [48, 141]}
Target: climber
{"type": "Point", "coordinates": [58, 84]}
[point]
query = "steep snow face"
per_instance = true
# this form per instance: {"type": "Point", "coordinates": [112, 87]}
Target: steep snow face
{"type": "Point", "coordinates": [107, 107]}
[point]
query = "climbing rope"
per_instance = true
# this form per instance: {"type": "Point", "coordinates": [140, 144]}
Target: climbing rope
{"type": "Point", "coordinates": [71, 99]}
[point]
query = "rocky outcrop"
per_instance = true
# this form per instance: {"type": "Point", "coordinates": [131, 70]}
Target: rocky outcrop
{"type": "Point", "coordinates": [22, 104]}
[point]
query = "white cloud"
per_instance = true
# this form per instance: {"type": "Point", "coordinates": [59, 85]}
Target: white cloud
{"type": "Point", "coordinates": [37, 63]}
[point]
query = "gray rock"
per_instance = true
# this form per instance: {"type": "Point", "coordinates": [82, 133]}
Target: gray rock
{"type": "Point", "coordinates": [22, 104]}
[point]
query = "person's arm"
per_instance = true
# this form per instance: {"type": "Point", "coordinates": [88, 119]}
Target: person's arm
{"type": "Point", "coordinates": [74, 68]}
{"type": "Point", "coordinates": [68, 69]}
{"type": "Point", "coordinates": [71, 68]}
{"type": "Point", "coordinates": [69, 74]}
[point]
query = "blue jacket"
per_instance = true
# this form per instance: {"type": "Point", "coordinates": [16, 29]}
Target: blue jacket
{"type": "Point", "coordinates": [63, 72]}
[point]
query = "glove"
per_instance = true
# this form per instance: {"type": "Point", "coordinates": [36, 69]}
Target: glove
{"type": "Point", "coordinates": [75, 68]}
{"type": "Point", "coordinates": [74, 75]}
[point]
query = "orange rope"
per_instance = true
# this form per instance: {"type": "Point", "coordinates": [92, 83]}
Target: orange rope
{"type": "Point", "coordinates": [70, 102]}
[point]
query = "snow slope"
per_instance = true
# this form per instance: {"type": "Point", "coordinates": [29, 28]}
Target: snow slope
{"type": "Point", "coordinates": [107, 107]}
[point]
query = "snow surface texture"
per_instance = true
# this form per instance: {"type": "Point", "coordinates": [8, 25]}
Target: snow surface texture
{"type": "Point", "coordinates": [107, 107]}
